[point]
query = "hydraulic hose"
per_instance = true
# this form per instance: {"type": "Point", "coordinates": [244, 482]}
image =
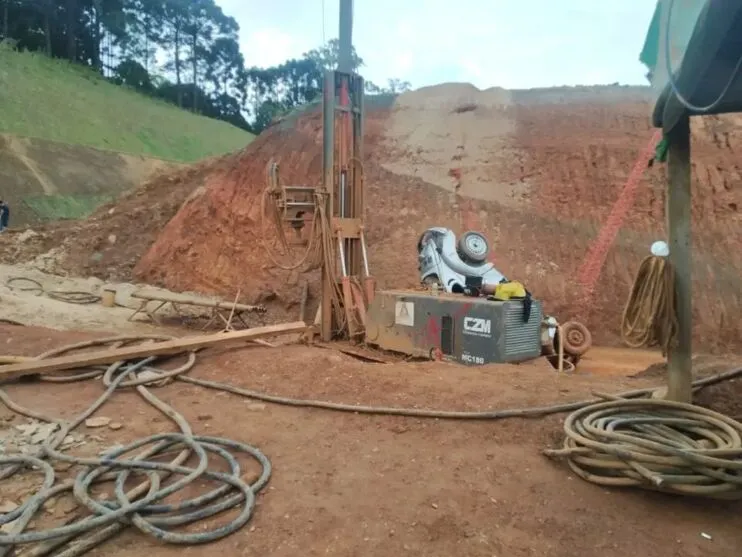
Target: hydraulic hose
{"type": "Point", "coordinates": [143, 505]}
{"type": "Point", "coordinates": [649, 317]}
{"type": "Point", "coordinates": [655, 444]}
{"type": "Point", "coordinates": [69, 296]}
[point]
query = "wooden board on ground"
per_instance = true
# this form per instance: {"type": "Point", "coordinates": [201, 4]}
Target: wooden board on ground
{"type": "Point", "coordinates": [112, 355]}
{"type": "Point", "coordinates": [354, 351]}
{"type": "Point", "coordinates": [218, 307]}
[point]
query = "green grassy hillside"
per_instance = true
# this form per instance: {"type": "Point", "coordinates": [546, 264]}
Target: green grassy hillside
{"type": "Point", "coordinates": [58, 101]}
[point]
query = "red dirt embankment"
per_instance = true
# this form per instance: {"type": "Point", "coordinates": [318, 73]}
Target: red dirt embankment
{"type": "Point", "coordinates": [537, 171]}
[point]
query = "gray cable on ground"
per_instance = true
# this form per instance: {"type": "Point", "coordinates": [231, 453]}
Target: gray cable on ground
{"type": "Point", "coordinates": [143, 505]}
{"type": "Point", "coordinates": [69, 296]}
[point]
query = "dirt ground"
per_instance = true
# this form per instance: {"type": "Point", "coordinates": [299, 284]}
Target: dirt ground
{"type": "Point", "coordinates": [346, 484]}
{"type": "Point", "coordinates": [24, 298]}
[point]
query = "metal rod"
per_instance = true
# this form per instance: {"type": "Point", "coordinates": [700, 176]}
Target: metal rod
{"type": "Point", "coordinates": [365, 255]}
{"type": "Point", "coordinates": [343, 180]}
{"type": "Point", "coordinates": [345, 37]}
{"type": "Point", "coordinates": [342, 257]}
{"type": "Point", "coordinates": [326, 313]}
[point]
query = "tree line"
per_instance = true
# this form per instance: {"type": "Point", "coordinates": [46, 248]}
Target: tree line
{"type": "Point", "coordinates": [185, 52]}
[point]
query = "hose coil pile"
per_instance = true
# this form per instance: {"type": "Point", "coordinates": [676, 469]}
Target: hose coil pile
{"type": "Point", "coordinates": [649, 318]}
{"type": "Point", "coordinates": [145, 506]}
{"type": "Point", "coordinates": [655, 444]}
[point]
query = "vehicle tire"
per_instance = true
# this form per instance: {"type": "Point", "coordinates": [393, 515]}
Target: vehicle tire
{"type": "Point", "coordinates": [473, 247]}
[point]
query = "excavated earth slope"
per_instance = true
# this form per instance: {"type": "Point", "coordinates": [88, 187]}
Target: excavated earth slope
{"type": "Point", "coordinates": [538, 171]}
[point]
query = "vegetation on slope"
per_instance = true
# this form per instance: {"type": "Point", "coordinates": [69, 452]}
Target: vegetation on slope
{"type": "Point", "coordinates": [60, 101]}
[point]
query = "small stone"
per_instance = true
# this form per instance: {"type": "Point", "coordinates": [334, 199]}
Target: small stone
{"type": "Point", "coordinates": [434, 506]}
{"type": "Point", "coordinates": [97, 422]}
{"type": "Point", "coordinates": [115, 426]}
{"type": "Point", "coordinates": [256, 406]}
{"type": "Point", "coordinates": [43, 433]}
{"type": "Point", "coordinates": [705, 536]}
{"type": "Point", "coordinates": [7, 506]}
{"type": "Point", "coordinates": [66, 506]}
{"type": "Point", "coordinates": [27, 429]}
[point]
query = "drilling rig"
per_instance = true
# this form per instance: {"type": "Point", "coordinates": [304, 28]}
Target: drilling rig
{"type": "Point", "coordinates": [347, 285]}
{"type": "Point", "coordinates": [468, 325]}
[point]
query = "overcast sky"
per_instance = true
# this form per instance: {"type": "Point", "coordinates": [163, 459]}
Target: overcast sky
{"type": "Point", "coordinates": [506, 43]}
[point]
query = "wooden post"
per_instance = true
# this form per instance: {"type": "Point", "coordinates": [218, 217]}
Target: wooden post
{"type": "Point", "coordinates": [680, 375]}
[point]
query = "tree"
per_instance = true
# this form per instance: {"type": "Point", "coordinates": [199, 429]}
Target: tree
{"type": "Point", "coordinates": [144, 22]}
{"type": "Point", "coordinates": [132, 74]}
{"type": "Point", "coordinates": [72, 11]}
{"type": "Point", "coordinates": [328, 55]}
{"type": "Point", "coordinates": [175, 17]}
{"type": "Point", "coordinates": [214, 50]}
{"type": "Point", "coordinates": [396, 86]}
{"type": "Point", "coordinates": [6, 15]}
{"type": "Point", "coordinates": [203, 67]}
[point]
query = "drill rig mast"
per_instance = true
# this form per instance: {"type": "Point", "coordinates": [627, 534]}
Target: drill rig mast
{"type": "Point", "coordinates": [347, 286]}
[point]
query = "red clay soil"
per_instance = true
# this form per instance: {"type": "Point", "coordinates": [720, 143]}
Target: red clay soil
{"type": "Point", "coordinates": [575, 157]}
{"type": "Point", "coordinates": [351, 485]}
{"type": "Point", "coordinates": [110, 242]}
{"type": "Point", "coordinates": [567, 152]}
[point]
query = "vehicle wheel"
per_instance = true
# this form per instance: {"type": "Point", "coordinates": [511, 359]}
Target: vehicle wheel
{"type": "Point", "coordinates": [473, 247]}
{"type": "Point", "coordinates": [577, 338]}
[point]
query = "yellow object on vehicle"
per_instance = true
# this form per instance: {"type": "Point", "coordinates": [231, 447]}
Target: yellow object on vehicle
{"type": "Point", "coordinates": [508, 290]}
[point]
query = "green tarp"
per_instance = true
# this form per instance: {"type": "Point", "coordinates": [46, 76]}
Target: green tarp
{"type": "Point", "coordinates": [648, 55]}
{"type": "Point", "coordinates": [705, 46]}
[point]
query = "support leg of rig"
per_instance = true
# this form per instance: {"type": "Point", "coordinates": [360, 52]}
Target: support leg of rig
{"type": "Point", "coordinates": [679, 369]}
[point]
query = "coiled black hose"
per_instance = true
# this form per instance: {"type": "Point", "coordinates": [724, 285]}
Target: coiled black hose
{"type": "Point", "coordinates": [142, 506]}
{"type": "Point", "coordinates": [71, 296]}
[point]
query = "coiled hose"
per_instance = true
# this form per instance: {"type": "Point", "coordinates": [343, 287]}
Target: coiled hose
{"type": "Point", "coordinates": [649, 317]}
{"type": "Point", "coordinates": [69, 296]}
{"type": "Point", "coordinates": [142, 506]}
{"type": "Point", "coordinates": [655, 444]}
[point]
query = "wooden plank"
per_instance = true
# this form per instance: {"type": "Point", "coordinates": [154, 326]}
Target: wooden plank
{"type": "Point", "coordinates": [679, 367]}
{"type": "Point", "coordinates": [353, 351]}
{"type": "Point", "coordinates": [184, 300]}
{"type": "Point", "coordinates": [110, 356]}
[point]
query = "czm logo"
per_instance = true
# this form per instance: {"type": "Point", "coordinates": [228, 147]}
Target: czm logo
{"type": "Point", "coordinates": [477, 325]}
